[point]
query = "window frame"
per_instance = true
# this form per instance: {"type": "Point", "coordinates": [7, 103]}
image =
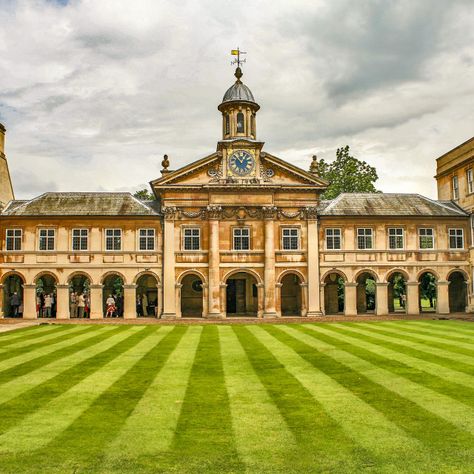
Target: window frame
{"type": "Point", "coordinates": [326, 236]}
{"type": "Point", "coordinates": [237, 130]}
{"type": "Point", "coordinates": [420, 229]}
{"type": "Point", "coordinates": [146, 237]}
{"type": "Point", "coordinates": [456, 237]}
{"type": "Point", "coordinates": [290, 237]}
{"type": "Point", "coordinates": [396, 235]}
{"type": "Point", "coordinates": [455, 188]}
{"type": "Point", "coordinates": [80, 237]}
{"type": "Point", "coordinates": [249, 237]}
{"type": "Point", "coordinates": [184, 236]}
{"type": "Point", "coordinates": [365, 236]}
{"type": "Point", "coordinates": [14, 239]}
{"type": "Point", "coordinates": [47, 237]}
{"type": "Point", "coordinates": [113, 236]}
{"type": "Point", "coordinates": [470, 182]}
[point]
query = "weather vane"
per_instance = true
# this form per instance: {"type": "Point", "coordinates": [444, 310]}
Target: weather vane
{"type": "Point", "coordinates": [238, 61]}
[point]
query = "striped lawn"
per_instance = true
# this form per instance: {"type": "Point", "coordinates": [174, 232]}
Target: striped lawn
{"type": "Point", "coordinates": [383, 397]}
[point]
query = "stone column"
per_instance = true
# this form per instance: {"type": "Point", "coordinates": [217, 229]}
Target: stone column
{"type": "Point", "coordinates": [314, 301]}
{"type": "Point", "coordinates": [169, 290]}
{"type": "Point", "coordinates": [2, 297]}
{"type": "Point", "coordinates": [391, 304]}
{"type": "Point", "coordinates": [413, 299]}
{"type": "Point", "coordinates": [159, 300]}
{"type": "Point", "coordinates": [177, 291]}
{"type": "Point", "coordinates": [97, 304]}
{"type": "Point", "coordinates": [62, 304]}
{"type": "Point", "coordinates": [381, 299]}
{"type": "Point", "coordinates": [130, 302]}
{"type": "Point", "coordinates": [260, 299]}
{"type": "Point", "coordinates": [214, 213]}
{"type": "Point", "coordinates": [304, 299]}
{"type": "Point", "coordinates": [350, 299]}
{"type": "Point", "coordinates": [269, 216]}
{"type": "Point", "coordinates": [205, 299]}
{"type": "Point", "coordinates": [322, 298]}
{"type": "Point", "coordinates": [223, 298]}
{"type": "Point", "coordinates": [278, 299]}
{"type": "Point", "coordinates": [442, 303]}
{"type": "Point", "coordinates": [29, 302]}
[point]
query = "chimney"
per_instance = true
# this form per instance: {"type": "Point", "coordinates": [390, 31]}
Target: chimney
{"type": "Point", "coordinates": [6, 188]}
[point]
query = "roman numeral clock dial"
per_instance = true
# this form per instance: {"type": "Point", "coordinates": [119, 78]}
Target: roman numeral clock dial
{"type": "Point", "coordinates": [241, 163]}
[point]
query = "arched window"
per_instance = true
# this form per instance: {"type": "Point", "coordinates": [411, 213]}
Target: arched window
{"type": "Point", "coordinates": [240, 123]}
{"type": "Point", "coordinates": [227, 124]}
{"type": "Point", "coordinates": [252, 121]}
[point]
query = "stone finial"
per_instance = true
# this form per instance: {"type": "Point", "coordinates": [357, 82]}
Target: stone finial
{"type": "Point", "coordinates": [314, 167]}
{"type": "Point", "coordinates": [238, 74]}
{"type": "Point", "coordinates": [165, 163]}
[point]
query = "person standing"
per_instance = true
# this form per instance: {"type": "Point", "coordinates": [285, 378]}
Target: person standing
{"type": "Point", "coordinates": [73, 305]}
{"type": "Point", "coordinates": [145, 304]}
{"type": "Point", "coordinates": [139, 306]}
{"type": "Point", "coordinates": [48, 304]}
{"type": "Point", "coordinates": [15, 304]}
{"type": "Point", "coordinates": [87, 307]}
{"type": "Point", "coordinates": [110, 305]}
{"type": "Point", "coordinates": [81, 303]}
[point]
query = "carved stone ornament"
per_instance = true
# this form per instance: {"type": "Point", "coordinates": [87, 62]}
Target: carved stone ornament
{"type": "Point", "coordinates": [214, 212]}
{"type": "Point", "coordinates": [266, 174]}
{"type": "Point", "coordinates": [311, 212]}
{"type": "Point", "coordinates": [169, 212]}
{"type": "Point", "coordinates": [269, 212]}
{"type": "Point", "coordinates": [290, 215]}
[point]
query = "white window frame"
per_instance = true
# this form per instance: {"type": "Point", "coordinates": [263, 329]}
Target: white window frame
{"type": "Point", "coordinates": [455, 187]}
{"type": "Point", "coordinates": [48, 231]}
{"type": "Point", "coordinates": [113, 237]}
{"type": "Point", "coordinates": [148, 238]}
{"type": "Point", "coordinates": [234, 237]}
{"type": "Point", "coordinates": [290, 238]}
{"type": "Point", "coordinates": [456, 236]}
{"type": "Point", "coordinates": [395, 235]}
{"type": "Point", "coordinates": [470, 181]}
{"type": "Point", "coordinates": [14, 239]}
{"type": "Point", "coordinates": [192, 230]}
{"type": "Point", "coordinates": [365, 236]}
{"type": "Point", "coordinates": [420, 236]}
{"type": "Point", "coordinates": [327, 236]}
{"type": "Point", "coordinates": [80, 237]}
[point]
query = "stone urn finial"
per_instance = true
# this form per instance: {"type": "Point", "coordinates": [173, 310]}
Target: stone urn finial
{"type": "Point", "coordinates": [165, 163]}
{"type": "Point", "coordinates": [314, 167]}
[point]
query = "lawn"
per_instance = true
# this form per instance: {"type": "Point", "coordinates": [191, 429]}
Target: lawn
{"type": "Point", "coordinates": [350, 397]}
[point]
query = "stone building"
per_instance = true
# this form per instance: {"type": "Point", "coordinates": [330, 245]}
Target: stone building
{"type": "Point", "coordinates": [239, 232]}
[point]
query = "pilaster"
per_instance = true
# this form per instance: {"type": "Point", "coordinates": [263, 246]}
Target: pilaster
{"type": "Point", "coordinates": [62, 307]}
{"type": "Point", "coordinates": [304, 299]}
{"type": "Point", "coordinates": [413, 299]}
{"type": "Point", "coordinates": [130, 301]}
{"type": "Point", "coordinates": [97, 304]}
{"type": "Point", "coordinates": [314, 300]}
{"type": "Point", "coordinates": [169, 291]}
{"type": "Point", "coordinates": [443, 297]}
{"type": "Point", "coordinates": [29, 302]}
{"type": "Point", "coordinates": [269, 215]}
{"type": "Point", "coordinates": [214, 213]}
{"type": "Point", "coordinates": [2, 297]}
{"type": "Point", "coordinates": [381, 299]}
{"type": "Point", "coordinates": [350, 299]}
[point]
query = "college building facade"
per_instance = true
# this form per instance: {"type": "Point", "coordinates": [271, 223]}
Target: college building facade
{"type": "Point", "coordinates": [239, 232]}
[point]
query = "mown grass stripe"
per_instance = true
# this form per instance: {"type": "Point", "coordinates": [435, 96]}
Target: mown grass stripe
{"type": "Point", "coordinates": [394, 448]}
{"type": "Point", "coordinates": [26, 363]}
{"type": "Point", "coordinates": [455, 361]}
{"type": "Point", "coordinates": [304, 415]}
{"type": "Point", "coordinates": [204, 437]}
{"type": "Point", "coordinates": [463, 328]}
{"type": "Point", "coordinates": [29, 332]}
{"type": "Point", "coordinates": [450, 418]}
{"type": "Point", "coordinates": [448, 332]}
{"type": "Point", "coordinates": [156, 415]}
{"type": "Point", "coordinates": [36, 432]}
{"type": "Point", "coordinates": [262, 437]}
{"type": "Point", "coordinates": [98, 353]}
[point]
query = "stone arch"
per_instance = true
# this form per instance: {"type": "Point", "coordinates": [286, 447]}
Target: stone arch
{"type": "Point", "coordinates": [192, 293]}
{"type": "Point", "coordinates": [255, 274]}
{"type": "Point", "coordinates": [392, 272]}
{"type": "Point", "coordinates": [79, 273]}
{"type": "Point", "coordinates": [291, 293]}
{"type": "Point", "coordinates": [114, 290]}
{"type": "Point", "coordinates": [459, 270]}
{"type": "Point", "coordinates": [368, 271]}
{"type": "Point", "coordinates": [46, 273]}
{"type": "Point", "coordinates": [397, 290]}
{"type": "Point", "coordinates": [79, 283]}
{"type": "Point", "coordinates": [194, 272]}
{"type": "Point", "coordinates": [366, 291]}
{"type": "Point", "coordinates": [334, 292]}
{"type": "Point", "coordinates": [146, 294]}
{"type": "Point", "coordinates": [149, 273]}
{"type": "Point", "coordinates": [292, 271]}
{"type": "Point", "coordinates": [457, 291]}
{"type": "Point", "coordinates": [242, 292]}
{"type": "Point", "coordinates": [46, 295]}
{"type": "Point", "coordinates": [338, 272]}
{"type": "Point", "coordinates": [13, 273]}
{"type": "Point", "coordinates": [112, 273]}
{"type": "Point", "coordinates": [12, 282]}
{"type": "Point", "coordinates": [427, 270]}
{"type": "Point", "coordinates": [427, 290]}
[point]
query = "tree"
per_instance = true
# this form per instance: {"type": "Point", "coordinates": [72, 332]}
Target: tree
{"type": "Point", "coordinates": [144, 195]}
{"type": "Point", "coordinates": [347, 174]}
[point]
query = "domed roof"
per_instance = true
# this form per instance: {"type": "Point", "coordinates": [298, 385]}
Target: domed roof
{"type": "Point", "coordinates": [238, 91]}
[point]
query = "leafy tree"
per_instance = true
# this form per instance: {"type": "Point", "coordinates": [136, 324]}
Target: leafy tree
{"type": "Point", "coordinates": [144, 195]}
{"type": "Point", "coordinates": [347, 174]}
{"type": "Point", "coordinates": [428, 288]}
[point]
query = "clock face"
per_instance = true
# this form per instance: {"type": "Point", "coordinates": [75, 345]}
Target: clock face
{"type": "Point", "coordinates": [241, 162]}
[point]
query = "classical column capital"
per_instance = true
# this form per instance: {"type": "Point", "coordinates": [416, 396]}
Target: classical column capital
{"type": "Point", "coordinates": [129, 287]}
{"type": "Point", "coordinates": [304, 285]}
{"type": "Point", "coordinates": [95, 287]}
{"type": "Point", "coordinates": [169, 212]}
{"type": "Point", "coordinates": [260, 285]}
{"type": "Point", "coordinates": [62, 287]}
{"type": "Point", "coordinates": [223, 285]}
{"type": "Point", "coordinates": [29, 287]}
{"type": "Point", "coordinates": [311, 212]}
{"type": "Point", "coordinates": [350, 284]}
{"type": "Point", "coordinates": [269, 212]}
{"type": "Point", "coordinates": [178, 285]}
{"type": "Point", "coordinates": [214, 211]}
{"type": "Point", "coordinates": [381, 283]}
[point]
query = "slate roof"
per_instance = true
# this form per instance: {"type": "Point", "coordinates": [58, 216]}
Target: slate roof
{"type": "Point", "coordinates": [238, 91]}
{"type": "Point", "coordinates": [381, 204]}
{"type": "Point", "coordinates": [82, 204]}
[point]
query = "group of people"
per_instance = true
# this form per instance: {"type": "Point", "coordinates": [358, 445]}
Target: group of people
{"type": "Point", "coordinates": [144, 306]}
{"type": "Point", "coordinates": [46, 305]}
{"type": "Point", "coordinates": [79, 305]}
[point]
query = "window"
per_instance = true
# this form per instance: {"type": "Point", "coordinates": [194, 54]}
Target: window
{"type": "Point", "coordinates": [192, 238]}
{"type": "Point", "coordinates": [80, 239]}
{"type": "Point", "coordinates": [470, 184]}
{"type": "Point", "coordinates": [241, 238]}
{"type": "Point", "coordinates": [455, 188]}
{"type": "Point", "coordinates": [364, 238]}
{"type": "Point", "coordinates": [456, 238]}
{"type": "Point", "coordinates": [290, 238]}
{"type": "Point", "coordinates": [113, 239]}
{"type": "Point", "coordinates": [146, 239]}
{"type": "Point", "coordinates": [253, 125]}
{"type": "Point", "coordinates": [395, 238]}
{"type": "Point", "coordinates": [227, 124]}
{"type": "Point", "coordinates": [14, 239]}
{"type": "Point", "coordinates": [333, 239]}
{"type": "Point", "coordinates": [46, 239]}
{"type": "Point", "coordinates": [426, 239]}
{"type": "Point", "coordinates": [240, 123]}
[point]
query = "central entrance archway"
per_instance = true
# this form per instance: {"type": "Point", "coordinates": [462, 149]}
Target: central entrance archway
{"type": "Point", "coordinates": [366, 294]}
{"type": "Point", "coordinates": [241, 295]}
{"type": "Point", "coordinates": [192, 296]}
{"type": "Point", "coordinates": [457, 292]}
{"type": "Point", "coordinates": [291, 304]}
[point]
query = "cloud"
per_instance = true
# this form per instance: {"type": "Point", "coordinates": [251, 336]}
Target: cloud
{"type": "Point", "coordinates": [94, 93]}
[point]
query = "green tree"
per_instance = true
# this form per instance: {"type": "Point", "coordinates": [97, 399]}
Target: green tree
{"type": "Point", "coordinates": [347, 174]}
{"type": "Point", "coordinates": [144, 195]}
{"type": "Point", "coordinates": [428, 288]}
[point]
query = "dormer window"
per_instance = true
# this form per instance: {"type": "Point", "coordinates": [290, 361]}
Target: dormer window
{"type": "Point", "coordinates": [240, 123]}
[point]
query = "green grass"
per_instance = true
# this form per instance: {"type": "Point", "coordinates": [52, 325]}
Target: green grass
{"type": "Point", "coordinates": [384, 397]}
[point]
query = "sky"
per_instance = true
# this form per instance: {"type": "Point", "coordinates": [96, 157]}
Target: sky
{"type": "Point", "coordinates": [93, 93]}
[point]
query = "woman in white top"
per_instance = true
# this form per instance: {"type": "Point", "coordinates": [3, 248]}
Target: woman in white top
{"type": "Point", "coordinates": [110, 303]}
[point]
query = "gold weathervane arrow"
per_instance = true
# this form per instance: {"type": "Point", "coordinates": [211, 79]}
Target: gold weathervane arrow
{"type": "Point", "coordinates": [238, 61]}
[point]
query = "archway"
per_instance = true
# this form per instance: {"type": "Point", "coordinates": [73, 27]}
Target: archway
{"type": "Point", "coordinates": [397, 293]}
{"type": "Point", "coordinates": [291, 304]}
{"type": "Point", "coordinates": [147, 296]}
{"type": "Point", "coordinates": [191, 296]}
{"type": "Point", "coordinates": [366, 293]}
{"type": "Point", "coordinates": [46, 296]}
{"type": "Point", "coordinates": [112, 287]}
{"type": "Point", "coordinates": [13, 296]}
{"type": "Point", "coordinates": [241, 295]}
{"type": "Point", "coordinates": [334, 293]}
{"type": "Point", "coordinates": [457, 292]}
{"type": "Point", "coordinates": [428, 292]}
{"type": "Point", "coordinates": [79, 296]}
